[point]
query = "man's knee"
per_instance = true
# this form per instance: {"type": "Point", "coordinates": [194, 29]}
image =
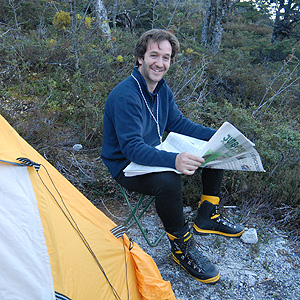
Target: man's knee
{"type": "Point", "coordinates": [169, 182]}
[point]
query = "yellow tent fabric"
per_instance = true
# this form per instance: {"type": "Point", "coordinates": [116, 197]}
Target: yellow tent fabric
{"type": "Point", "coordinates": [87, 261]}
{"type": "Point", "coordinates": [150, 282]}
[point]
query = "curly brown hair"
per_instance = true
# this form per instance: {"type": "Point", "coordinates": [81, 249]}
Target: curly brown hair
{"type": "Point", "coordinates": [155, 35]}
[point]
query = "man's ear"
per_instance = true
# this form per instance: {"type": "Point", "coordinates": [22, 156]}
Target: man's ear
{"type": "Point", "coordinates": [140, 60]}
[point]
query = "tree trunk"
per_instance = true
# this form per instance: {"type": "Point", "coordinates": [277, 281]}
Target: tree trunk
{"type": "Point", "coordinates": [114, 14]}
{"type": "Point", "coordinates": [102, 19]}
{"type": "Point", "coordinates": [217, 33]}
{"type": "Point", "coordinates": [205, 28]}
{"type": "Point", "coordinates": [287, 17]}
{"type": "Point", "coordinates": [212, 25]}
{"type": "Point", "coordinates": [73, 32]}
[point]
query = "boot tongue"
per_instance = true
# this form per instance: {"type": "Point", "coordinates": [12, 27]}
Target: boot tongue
{"type": "Point", "coordinates": [215, 212]}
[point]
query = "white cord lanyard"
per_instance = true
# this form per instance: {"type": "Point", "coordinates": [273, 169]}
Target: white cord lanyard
{"type": "Point", "coordinates": [157, 106]}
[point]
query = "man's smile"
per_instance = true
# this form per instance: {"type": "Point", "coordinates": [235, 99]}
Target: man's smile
{"type": "Point", "coordinates": [157, 71]}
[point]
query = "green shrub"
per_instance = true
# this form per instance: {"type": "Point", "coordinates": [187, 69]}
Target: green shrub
{"type": "Point", "coordinates": [62, 20]}
{"type": "Point", "coordinates": [54, 105]}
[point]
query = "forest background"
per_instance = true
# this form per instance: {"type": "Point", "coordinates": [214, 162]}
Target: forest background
{"type": "Point", "coordinates": [239, 62]}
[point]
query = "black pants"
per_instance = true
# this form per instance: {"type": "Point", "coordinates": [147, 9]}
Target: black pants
{"type": "Point", "coordinates": [166, 187]}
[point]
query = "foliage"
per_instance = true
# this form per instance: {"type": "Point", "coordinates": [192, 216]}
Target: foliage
{"type": "Point", "coordinates": [61, 20]}
{"type": "Point", "coordinates": [54, 105]}
{"type": "Point", "coordinates": [252, 11]}
{"type": "Point", "coordinates": [287, 20]}
{"type": "Point", "coordinates": [27, 15]}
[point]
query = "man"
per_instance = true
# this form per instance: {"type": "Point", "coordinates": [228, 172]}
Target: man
{"type": "Point", "coordinates": [137, 113]}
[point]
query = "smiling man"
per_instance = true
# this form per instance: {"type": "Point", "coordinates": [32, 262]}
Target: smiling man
{"type": "Point", "coordinates": [137, 113]}
{"type": "Point", "coordinates": [156, 63]}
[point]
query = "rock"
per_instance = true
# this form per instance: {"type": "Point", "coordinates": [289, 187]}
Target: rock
{"type": "Point", "coordinates": [250, 236]}
{"type": "Point", "coordinates": [187, 209]}
{"type": "Point", "coordinates": [77, 147]}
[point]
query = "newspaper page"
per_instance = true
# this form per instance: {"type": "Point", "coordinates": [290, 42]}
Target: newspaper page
{"type": "Point", "coordinates": [228, 149]}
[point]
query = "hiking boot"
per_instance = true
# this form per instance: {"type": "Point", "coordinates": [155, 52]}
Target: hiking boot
{"type": "Point", "coordinates": [209, 220]}
{"type": "Point", "coordinates": [186, 253]}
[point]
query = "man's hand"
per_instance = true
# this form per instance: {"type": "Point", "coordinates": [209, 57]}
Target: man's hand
{"type": "Point", "coordinates": [188, 163]}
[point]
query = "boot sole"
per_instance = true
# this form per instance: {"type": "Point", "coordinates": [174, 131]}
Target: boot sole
{"type": "Point", "coordinates": [208, 280]}
{"type": "Point", "coordinates": [198, 230]}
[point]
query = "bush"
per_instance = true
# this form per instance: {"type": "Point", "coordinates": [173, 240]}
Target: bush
{"type": "Point", "coordinates": [278, 145]}
{"type": "Point", "coordinates": [54, 104]}
{"type": "Point", "coordinates": [62, 20]}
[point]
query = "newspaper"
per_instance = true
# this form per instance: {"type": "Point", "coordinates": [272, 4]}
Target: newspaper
{"type": "Point", "coordinates": [228, 149]}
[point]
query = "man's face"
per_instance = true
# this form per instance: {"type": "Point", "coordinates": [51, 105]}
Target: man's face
{"type": "Point", "coordinates": [156, 62]}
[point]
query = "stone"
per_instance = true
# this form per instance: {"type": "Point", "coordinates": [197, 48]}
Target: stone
{"type": "Point", "coordinates": [77, 147]}
{"type": "Point", "coordinates": [187, 209]}
{"type": "Point", "coordinates": [250, 236]}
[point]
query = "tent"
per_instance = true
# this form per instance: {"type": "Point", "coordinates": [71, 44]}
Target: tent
{"type": "Point", "coordinates": [55, 244]}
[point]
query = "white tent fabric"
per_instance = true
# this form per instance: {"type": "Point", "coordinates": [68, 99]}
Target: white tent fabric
{"type": "Point", "coordinates": [24, 260]}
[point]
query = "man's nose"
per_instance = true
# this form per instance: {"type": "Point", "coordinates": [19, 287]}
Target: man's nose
{"type": "Point", "coordinates": [159, 61]}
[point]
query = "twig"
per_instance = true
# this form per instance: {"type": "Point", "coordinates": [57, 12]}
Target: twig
{"type": "Point", "coordinates": [173, 14]}
{"type": "Point", "coordinates": [5, 32]}
{"type": "Point", "coordinates": [284, 86]}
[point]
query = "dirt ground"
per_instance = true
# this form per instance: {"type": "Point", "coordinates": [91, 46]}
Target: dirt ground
{"type": "Point", "coordinates": [266, 270]}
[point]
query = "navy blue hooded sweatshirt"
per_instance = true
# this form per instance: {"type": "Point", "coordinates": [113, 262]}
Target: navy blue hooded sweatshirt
{"type": "Point", "coordinates": [130, 132]}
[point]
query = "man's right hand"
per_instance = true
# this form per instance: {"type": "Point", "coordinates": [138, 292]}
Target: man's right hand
{"type": "Point", "coordinates": [188, 163]}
